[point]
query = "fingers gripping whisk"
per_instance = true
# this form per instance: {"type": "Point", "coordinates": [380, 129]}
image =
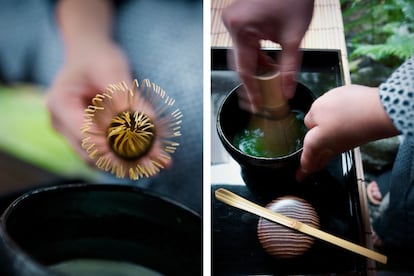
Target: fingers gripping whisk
{"type": "Point", "coordinates": [131, 132]}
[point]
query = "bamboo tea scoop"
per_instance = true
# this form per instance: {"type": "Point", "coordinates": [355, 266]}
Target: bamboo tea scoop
{"type": "Point", "coordinates": [243, 204]}
{"type": "Point", "coordinates": [282, 132]}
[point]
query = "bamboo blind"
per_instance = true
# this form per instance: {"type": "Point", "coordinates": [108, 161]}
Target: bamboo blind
{"type": "Point", "coordinates": [326, 30]}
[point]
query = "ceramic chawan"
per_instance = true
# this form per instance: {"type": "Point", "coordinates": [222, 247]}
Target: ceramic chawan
{"type": "Point", "coordinates": [98, 229]}
{"type": "Point", "coordinates": [268, 176]}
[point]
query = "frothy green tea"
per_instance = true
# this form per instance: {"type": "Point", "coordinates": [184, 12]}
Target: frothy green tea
{"type": "Point", "coordinates": [88, 267]}
{"type": "Point", "coordinates": [251, 140]}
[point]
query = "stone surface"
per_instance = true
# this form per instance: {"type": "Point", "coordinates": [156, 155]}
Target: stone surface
{"type": "Point", "coordinates": [379, 155]}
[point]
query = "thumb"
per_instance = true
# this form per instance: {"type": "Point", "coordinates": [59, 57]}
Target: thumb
{"type": "Point", "coordinates": [315, 156]}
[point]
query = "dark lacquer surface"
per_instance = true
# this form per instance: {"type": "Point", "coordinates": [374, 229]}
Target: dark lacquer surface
{"type": "Point", "coordinates": [98, 221]}
{"type": "Point", "coordinates": [333, 193]}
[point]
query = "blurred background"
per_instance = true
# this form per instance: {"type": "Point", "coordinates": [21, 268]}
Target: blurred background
{"type": "Point", "coordinates": [379, 37]}
{"type": "Point", "coordinates": [31, 55]}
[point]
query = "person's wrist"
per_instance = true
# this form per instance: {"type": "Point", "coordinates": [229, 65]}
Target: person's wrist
{"type": "Point", "coordinates": [81, 46]}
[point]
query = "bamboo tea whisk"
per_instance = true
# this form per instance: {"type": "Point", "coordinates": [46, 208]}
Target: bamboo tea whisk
{"type": "Point", "coordinates": [281, 132]}
{"type": "Point", "coordinates": [131, 132]}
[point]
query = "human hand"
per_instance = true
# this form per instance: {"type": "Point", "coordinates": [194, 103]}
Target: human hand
{"type": "Point", "coordinates": [84, 74]}
{"type": "Point", "coordinates": [339, 120]}
{"type": "Point", "coordinates": [283, 22]}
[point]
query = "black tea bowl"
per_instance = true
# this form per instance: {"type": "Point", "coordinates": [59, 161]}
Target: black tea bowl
{"type": "Point", "coordinates": [98, 229]}
{"type": "Point", "coordinates": [268, 177]}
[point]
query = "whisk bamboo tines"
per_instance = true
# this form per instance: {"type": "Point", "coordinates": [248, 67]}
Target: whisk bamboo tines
{"type": "Point", "coordinates": [131, 132]}
{"type": "Point", "coordinates": [281, 132]}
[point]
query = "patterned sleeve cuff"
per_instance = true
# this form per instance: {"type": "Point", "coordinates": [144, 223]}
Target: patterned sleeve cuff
{"type": "Point", "coordinates": [397, 97]}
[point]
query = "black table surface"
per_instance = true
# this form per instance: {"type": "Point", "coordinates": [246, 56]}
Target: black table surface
{"type": "Point", "coordinates": [236, 249]}
{"type": "Point", "coordinates": [333, 193]}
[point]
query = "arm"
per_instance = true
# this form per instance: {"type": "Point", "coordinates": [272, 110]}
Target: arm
{"type": "Point", "coordinates": [352, 115]}
{"type": "Point", "coordinates": [92, 61]}
{"type": "Point", "coordinates": [84, 24]}
{"type": "Point", "coordinates": [397, 97]}
{"type": "Point", "coordinates": [342, 119]}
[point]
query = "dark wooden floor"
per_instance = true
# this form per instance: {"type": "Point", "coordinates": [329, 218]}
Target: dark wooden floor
{"type": "Point", "coordinates": [17, 177]}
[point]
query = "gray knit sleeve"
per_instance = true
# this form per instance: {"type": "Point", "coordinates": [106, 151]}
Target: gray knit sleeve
{"type": "Point", "coordinates": [397, 97]}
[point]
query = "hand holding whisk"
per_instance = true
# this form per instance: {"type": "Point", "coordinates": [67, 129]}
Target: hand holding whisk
{"type": "Point", "coordinates": [131, 132]}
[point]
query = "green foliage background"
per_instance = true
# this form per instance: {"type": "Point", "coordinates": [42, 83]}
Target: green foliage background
{"type": "Point", "coordinates": [379, 34]}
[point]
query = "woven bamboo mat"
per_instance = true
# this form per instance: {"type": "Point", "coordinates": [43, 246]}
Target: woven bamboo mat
{"type": "Point", "coordinates": [326, 30]}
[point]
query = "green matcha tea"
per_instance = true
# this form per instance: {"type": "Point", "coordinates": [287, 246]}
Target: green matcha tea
{"type": "Point", "coordinates": [251, 140]}
{"type": "Point", "coordinates": [90, 267]}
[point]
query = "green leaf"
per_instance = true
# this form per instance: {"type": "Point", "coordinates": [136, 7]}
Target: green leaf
{"type": "Point", "coordinates": [26, 133]}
